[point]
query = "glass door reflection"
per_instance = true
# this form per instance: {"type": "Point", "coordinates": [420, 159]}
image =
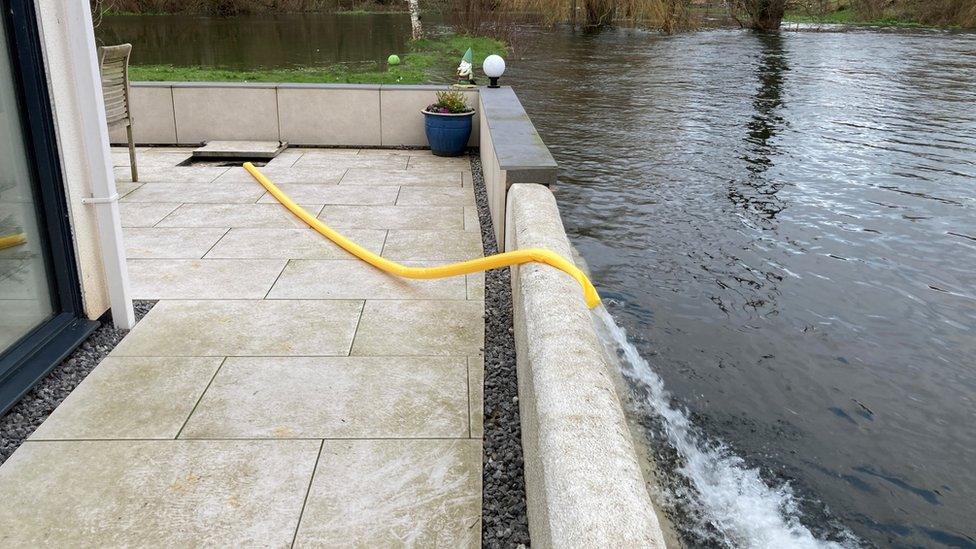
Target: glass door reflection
{"type": "Point", "coordinates": [25, 289]}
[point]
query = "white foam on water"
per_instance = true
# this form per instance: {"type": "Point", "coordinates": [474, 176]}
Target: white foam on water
{"type": "Point", "coordinates": [728, 495]}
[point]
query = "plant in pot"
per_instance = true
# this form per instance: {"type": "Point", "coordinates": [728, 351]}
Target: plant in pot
{"type": "Point", "coordinates": [448, 124]}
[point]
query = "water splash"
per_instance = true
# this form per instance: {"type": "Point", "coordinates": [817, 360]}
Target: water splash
{"type": "Point", "coordinates": [728, 498]}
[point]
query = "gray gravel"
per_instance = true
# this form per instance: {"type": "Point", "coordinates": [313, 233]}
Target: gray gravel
{"type": "Point", "coordinates": [28, 414]}
{"type": "Point", "coordinates": [504, 523]}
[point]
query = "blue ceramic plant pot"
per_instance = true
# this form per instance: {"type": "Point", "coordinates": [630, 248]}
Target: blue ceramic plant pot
{"type": "Point", "coordinates": [448, 134]}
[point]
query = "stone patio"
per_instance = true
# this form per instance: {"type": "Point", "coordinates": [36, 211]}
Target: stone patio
{"type": "Point", "coordinates": [281, 392]}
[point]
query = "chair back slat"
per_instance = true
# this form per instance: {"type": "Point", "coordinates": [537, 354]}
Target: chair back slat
{"type": "Point", "coordinates": [114, 64]}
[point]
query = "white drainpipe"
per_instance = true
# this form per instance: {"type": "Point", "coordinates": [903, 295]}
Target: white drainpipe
{"type": "Point", "coordinates": [88, 93]}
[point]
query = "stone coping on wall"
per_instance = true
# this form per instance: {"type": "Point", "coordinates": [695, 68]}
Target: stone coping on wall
{"type": "Point", "coordinates": [518, 147]}
{"type": "Point", "coordinates": [584, 484]}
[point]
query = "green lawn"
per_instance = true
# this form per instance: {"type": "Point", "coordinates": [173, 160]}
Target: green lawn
{"type": "Point", "coordinates": [431, 60]}
{"type": "Point", "coordinates": [846, 17]}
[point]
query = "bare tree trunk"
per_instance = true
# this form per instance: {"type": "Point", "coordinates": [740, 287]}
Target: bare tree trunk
{"type": "Point", "coordinates": [768, 15]}
{"type": "Point", "coordinates": [764, 15]}
{"type": "Point", "coordinates": [416, 28]}
{"type": "Point", "coordinates": [598, 12]}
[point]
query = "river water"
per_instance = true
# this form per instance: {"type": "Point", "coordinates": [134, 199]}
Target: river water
{"type": "Point", "coordinates": [784, 225]}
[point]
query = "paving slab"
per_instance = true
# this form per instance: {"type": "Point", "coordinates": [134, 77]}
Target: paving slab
{"type": "Point", "coordinates": [169, 243]}
{"type": "Point", "coordinates": [476, 396]}
{"type": "Point", "coordinates": [285, 159]}
{"type": "Point", "coordinates": [131, 398]}
{"type": "Point", "coordinates": [235, 216]}
{"type": "Point", "coordinates": [471, 220]}
{"type": "Point", "coordinates": [433, 245]}
{"type": "Point", "coordinates": [251, 341]}
{"type": "Point", "coordinates": [393, 217]}
{"type": "Point", "coordinates": [137, 214]}
{"type": "Point", "coordinates": [336, 194]}
{"type": "Point", "coordinates": [203, 278]}
{"type": "Point", "coordinates": [388, 152]}
{"type": "Point", "coordinates": [178, 174]}
{"type": "Point", "coordinates": [199, 193]}
{"type": "Point", "coordinates": [476, 286]}
{"type": "Point", "coordinates": [395, 493]}
{"type": "Point", "coordinates": [347, 397]}
{"type": "Point", "coordinates": [388, 162]}
{"type": "Point", "coordinates": [338, 152]}
{"type": "Point", "coordinates": [435, 196]}
{"type": "Point", "coordinates": [355, 279]}
{"type": "Point", "coordinates": [399, 152]}
{"type": "Point", "coordinates": [420, 328]}
{"type": "Point", "coordinates": [372, 176]}
{"type": "Point", "coordinates": [291, 244]}
{"type": "Point", "coordinates": [439, 162]}
{"type": "Point", "coordinates": [244, 328]}
{"type": "Point", "coordinates": [126, 187]}
{"type": "Point", "coordinates": [149, 158]}
{"type": "Point", "coordinates": [155, 493]}
{"type": "Point", "coordinates": [278, 175]}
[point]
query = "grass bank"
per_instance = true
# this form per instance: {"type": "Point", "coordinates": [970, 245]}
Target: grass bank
{"type": "Point", "coordinates": [848, 17]}
{"type": "Point", "coordinates": [885, 13]}
{"type": "Point", "coordinates": [431, 60]}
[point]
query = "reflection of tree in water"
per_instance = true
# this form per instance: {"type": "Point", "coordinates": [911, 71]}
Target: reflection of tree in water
{"type": "Point", "coordinates": [747, 285]}
{"type": "Point", "coordinates": [756, 193]}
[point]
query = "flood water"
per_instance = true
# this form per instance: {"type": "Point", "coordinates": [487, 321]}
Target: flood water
{"type": "Point", "coordinates": [257, 42]}
{"type": "Point", "coordinates": [785, 225]}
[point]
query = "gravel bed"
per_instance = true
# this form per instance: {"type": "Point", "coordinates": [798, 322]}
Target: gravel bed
{"type": "Point", "coordinates": [28, 414]}
{"type": "Point", "coordinates": [504, 523]}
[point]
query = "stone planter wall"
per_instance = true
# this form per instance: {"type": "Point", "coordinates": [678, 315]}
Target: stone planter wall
{"type": "Point", "coordinates": [357, 115]}
{"type": "Point", "coordinates": [511, 151]}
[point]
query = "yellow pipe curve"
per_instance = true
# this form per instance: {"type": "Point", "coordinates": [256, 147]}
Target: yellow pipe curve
{"type": "Point", "coordinates": [12, 240]}
{"type": "Point", "coordinates": [496, 261]}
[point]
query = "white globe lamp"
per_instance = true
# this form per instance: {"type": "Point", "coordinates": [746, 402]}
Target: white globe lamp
{"type": "Point", "coordinates": [494, 67]}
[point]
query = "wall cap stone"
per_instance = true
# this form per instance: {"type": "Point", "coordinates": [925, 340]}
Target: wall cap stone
{"type": "Point", "coordinates": [518, 146]}
{"type": "Point", "coordinates": [584, 483]}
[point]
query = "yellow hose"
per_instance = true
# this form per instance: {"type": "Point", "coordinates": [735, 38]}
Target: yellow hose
{"type": "Point", "coordinates": [497, 261]}
{"type": "Point", "coordinates": [12, 240]}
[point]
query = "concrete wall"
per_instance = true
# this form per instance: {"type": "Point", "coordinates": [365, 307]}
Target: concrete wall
{"type": "Point", "coordinates": [583, 480]}
{"type": "Point", "coordinates": [511, 151]}
{"type": "Point", "coordinates": [189, 113]}
{"type": "Point", "coordinates": [496, 185]}
{"type": "Point", "coordinates": [74, 161]}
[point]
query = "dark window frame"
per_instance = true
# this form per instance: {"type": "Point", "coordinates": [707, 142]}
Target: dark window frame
{"type": "Point", "coordinates": [33, 356]}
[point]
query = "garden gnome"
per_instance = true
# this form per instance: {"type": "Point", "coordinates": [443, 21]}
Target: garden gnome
{"type": "Point", "coordinates": [465, 70]}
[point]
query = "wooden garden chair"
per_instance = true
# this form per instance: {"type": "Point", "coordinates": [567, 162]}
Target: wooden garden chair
{"type": "Point", "coordinates": [114, 64]}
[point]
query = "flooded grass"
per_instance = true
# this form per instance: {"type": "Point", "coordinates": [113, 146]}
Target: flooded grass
{"type": "Point", "coordinates": [848, 17]}
{"type": "Point", "coordinates": [426, 61]}
{"type": "Point", "coordinates": [950, 14]}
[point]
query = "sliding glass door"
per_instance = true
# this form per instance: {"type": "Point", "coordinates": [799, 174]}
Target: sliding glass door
{"type": "Point", "coordinates": [41, 318]}
{"type": "Point", "coordinates": [25, 290]}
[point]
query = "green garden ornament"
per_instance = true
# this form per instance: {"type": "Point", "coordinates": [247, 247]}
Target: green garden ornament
{"type": "Point", "coordinates": [393, 60]}
{"type": "Point", "coordinates": [465, 70]}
